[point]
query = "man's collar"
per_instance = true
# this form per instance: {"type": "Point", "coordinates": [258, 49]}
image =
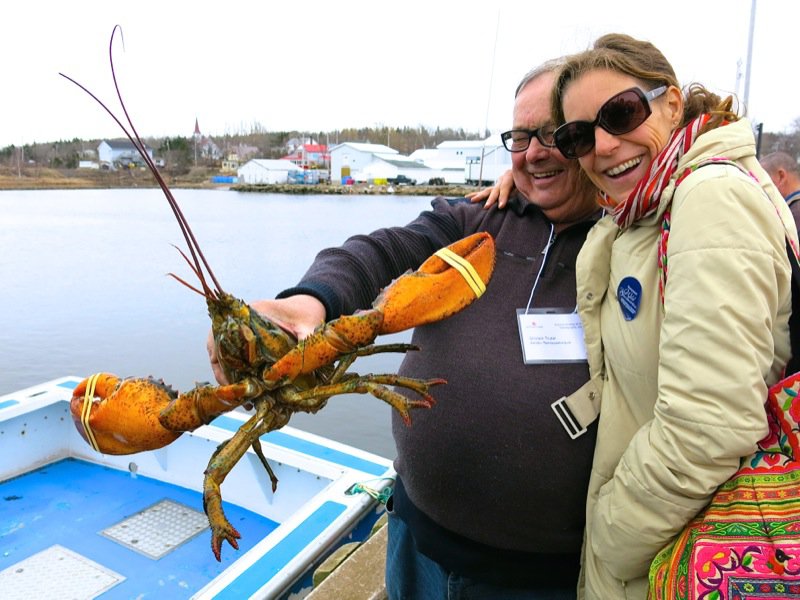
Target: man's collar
{"type": "Point", "coordinates": [793, 197]}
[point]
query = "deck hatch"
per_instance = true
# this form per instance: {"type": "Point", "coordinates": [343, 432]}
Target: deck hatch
{"type": "Point", "coordinates": [158, 529]}
{"type": "Point", "coordinates": [57, 572]}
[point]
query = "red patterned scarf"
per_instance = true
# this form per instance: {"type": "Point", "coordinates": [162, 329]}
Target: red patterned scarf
{"type": "Point", "coordinates": [645, 197]}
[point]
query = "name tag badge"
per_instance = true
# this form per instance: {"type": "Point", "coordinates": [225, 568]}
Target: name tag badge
{"type": "Point", "coordinates": [550, 335]}
{"type": "Point", "coordinates": [629, 294]}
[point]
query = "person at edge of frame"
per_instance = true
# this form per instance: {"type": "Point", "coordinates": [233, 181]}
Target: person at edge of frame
{"type": "Point", "coordinates": [489, 499]}
{"type": "Point", "coordinates": [785, 174]}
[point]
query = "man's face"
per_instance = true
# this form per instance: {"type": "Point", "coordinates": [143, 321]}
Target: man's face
{"type": "Point", "coordinates": [542, 174]}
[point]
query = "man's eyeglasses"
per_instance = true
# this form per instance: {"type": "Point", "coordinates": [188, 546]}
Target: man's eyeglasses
{"type": "Point", "coordinates": [519, 140]}
{"type": "Point", "coordinates": [619, 115]}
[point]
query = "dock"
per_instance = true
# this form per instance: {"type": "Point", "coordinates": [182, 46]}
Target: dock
{"type": "Point", "coordinates": [355, 571]}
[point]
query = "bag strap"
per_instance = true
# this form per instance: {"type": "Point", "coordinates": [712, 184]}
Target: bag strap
{"type": "Point", "coordinates": [791, 250]}
{"type": "Point", "coordinates": [781, 395]}
{"type": "Point", "coordinates": [793, 366]}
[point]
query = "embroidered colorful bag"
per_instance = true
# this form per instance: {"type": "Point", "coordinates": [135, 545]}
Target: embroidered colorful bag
{"type": "Point", "coordinates": [745, 545]}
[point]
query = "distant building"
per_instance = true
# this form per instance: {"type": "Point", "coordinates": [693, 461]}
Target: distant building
{"type": "Point", "coordinates": [262, 170]}
{"type": "Point", "coordinates": [244, 151]}
{"type": "Point", "coordinates": [443, 164]}
{"type": "Point", "coordinates": [208, 148]}
{"type": "Point", "coordinates": [367, 162]}
{"type": "Point", "coordinates": [486, 161]}
{"type": "Point", "coordinates": [459, 161]}
{"type": "Point", "coordinates": [310, 156]}
{"type": "Point", "coordinates": [204, 145]}
{"type": "Point", "coordinates": [294, 143]}
{"type": "Point", "coordinates": [114, 154]}
{"type": "Point", "coordinates": [230, 163]}
{"type": "Point", "coordinates": [389, 167]}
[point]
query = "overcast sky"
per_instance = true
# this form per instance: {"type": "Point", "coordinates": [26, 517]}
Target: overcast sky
{"type": "Point", "coordinates": [322, 65]}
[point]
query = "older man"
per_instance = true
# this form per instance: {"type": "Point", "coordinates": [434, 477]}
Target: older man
{"type": "Point", "coordinates": [489, 497]}
{"type": "Point", "coordinates": [785, 174]}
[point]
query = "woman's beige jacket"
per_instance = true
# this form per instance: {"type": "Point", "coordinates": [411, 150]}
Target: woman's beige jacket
{"type": "Point", "coordinates": [684, 383]}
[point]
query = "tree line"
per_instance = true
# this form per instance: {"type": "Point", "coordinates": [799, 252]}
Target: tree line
{"type": "Point", "coordinates": [180, 154]}
{"type": "Point", "coordinates": [788, 142]}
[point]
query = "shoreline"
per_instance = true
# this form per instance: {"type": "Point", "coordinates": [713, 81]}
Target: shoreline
{"type": "Point", "coordinates": [84, 179]}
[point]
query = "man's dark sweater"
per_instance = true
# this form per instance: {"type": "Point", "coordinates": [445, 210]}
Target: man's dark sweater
{"type": "Point", "coordinates": [490, 483]}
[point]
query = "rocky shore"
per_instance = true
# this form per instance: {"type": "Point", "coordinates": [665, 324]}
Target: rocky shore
{"type": "Point", "coordinates": [35, 178]}
{"type": "Point", "coordinates": [403, 190]}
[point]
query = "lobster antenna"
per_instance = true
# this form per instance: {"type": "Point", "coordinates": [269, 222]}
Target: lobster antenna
{"type": "Point", "coordinates": [135, 139]}
{"type": "Point", "coordinates": [192, 266]}
{"type": "Point", "coordinates": [137, 142]}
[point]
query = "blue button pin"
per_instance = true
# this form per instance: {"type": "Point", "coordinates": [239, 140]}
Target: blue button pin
{"type": "Point", "coordinates": [629, 294]}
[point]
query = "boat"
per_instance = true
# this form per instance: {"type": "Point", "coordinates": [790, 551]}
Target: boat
{"type": "Point", "coordinates": [78, 524]}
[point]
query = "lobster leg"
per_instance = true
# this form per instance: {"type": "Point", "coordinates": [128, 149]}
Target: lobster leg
{"type": "Point", "coordinates": [222, 461]}
{"type": "Point", "coordinates": [310, 399]}
{"type": "Point", "coordinates": [256, 445]}
{"type": "Point", "coordinates": [348, 359]}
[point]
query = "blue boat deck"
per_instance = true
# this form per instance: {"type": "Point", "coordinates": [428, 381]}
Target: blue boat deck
{"type": "Point", "coordinates": [77, 524]}
{"type": "Point", "coordinates": [71, 503]}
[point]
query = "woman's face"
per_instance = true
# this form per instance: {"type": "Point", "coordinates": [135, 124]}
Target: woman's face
{"type": "Point", "coordinates": [618, 162]}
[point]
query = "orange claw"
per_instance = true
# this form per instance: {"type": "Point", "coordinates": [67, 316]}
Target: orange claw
{"type": "Point", "coordinates": [120, 416]}
{"type": "Point", "coordinates": [437, 290]}
{"type": "Point", "coordinates": [433, 292]}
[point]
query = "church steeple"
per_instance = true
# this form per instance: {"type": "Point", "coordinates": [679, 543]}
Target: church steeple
{"type": "Point", "coordinates": [196, 128]}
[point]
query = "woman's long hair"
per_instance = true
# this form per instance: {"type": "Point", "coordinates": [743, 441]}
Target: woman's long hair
{"type": "Point", "coordinates": [643, 61]}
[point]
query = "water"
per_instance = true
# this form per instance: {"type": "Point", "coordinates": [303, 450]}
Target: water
{"type": "Point", "coordinates": [83, 286]}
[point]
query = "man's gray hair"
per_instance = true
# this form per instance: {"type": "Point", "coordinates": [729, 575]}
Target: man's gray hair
{"type": "Point", "coordinates": [780, 160]}
{"type": "Point", "coordinates": [549, 66]}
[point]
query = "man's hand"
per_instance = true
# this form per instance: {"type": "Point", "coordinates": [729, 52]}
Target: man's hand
{"type": "Point", "coordinates": [299, 315]}
{"type": "Point", "coordinates": [498, 194]}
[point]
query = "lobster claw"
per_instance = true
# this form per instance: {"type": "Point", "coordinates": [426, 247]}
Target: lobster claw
{"type": "Point", "coordinates": [121, 416]}
{"type": "Point", "coordinates": [443, 285]}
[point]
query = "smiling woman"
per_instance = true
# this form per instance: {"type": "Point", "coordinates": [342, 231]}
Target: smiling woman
{"type": "Point", "coordinates": [701, 346]}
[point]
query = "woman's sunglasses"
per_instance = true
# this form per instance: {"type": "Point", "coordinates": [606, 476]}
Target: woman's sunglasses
{"type": "Point", "coordinates": [620, 114]}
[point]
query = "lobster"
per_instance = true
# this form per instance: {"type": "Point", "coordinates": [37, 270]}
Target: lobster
{"type": "Point", "coordinates": [271, 373]}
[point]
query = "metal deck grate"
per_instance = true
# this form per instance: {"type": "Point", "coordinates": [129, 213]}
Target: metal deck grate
{"type": "Point", "coordinates": [56, 572]}
{"type": "Point", "coordinates": [159, 529]}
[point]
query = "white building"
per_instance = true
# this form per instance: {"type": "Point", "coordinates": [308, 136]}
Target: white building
{"type": "Point", "coordinates": [454, 162]}
{"type": "Point", "coordinates": [483, 160]}
{"type": "Point", "coordinates": [367, 162]}
{"type": "Point", "coordinates": [114, 153]}
{"type": "Point", "coordinates": [459, 161]}
{"type": "Point", "coordinates": [444, 164]}
{"type": "Point", "coordinates": [348, 160]}
{"type": "Point", "coordinates": [263, 170]}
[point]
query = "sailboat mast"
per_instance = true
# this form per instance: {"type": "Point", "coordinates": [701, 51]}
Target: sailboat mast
{"type": "Point", "coordinates": [489, 99]}
{"type": "Point", "coordinates": [749, 54]}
